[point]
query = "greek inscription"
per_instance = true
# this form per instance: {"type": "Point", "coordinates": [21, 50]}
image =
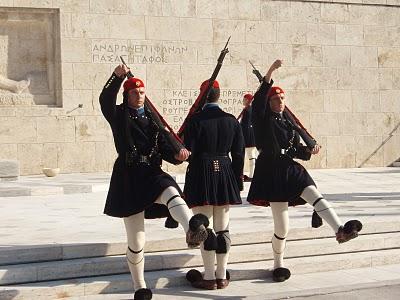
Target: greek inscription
{"type": "Point", "coordinates": [177, 104]}
{"type": "Point", "coordinates": [136, 53]}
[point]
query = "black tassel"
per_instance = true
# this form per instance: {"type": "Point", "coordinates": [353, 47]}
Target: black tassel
{"type": "Point", "coordinates": [171, 223]}
{"type": "Point", "coordinates": [223, 242]}
{"type": "Point", "coordinates": [197, 220]}
{"type": "Point", "coordinates": [211, 242]}
{"type": "Point", "coordinates": [193, 275]}
{"type": "Point", "coordinates": [316, 220]}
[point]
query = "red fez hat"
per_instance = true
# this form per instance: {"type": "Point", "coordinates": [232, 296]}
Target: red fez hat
{"type": "Point", "coordinates": [248, 97]}
{"type": "Point", "coordinates": [275, 90]}
{"type": "Point", "coordinates": [133, 83]}
{"type": "Point", "coordinates": [205, 84]}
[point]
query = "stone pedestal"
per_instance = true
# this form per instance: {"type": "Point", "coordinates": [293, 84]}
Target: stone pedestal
{"type": "Point", "coordinates": [9, 170]}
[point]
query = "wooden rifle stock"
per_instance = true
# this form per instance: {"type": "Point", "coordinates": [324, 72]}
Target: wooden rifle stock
{"type": "Point", "coordinates": [171, 136]}
{"type": "Point", "coordinates": [305, 135]}
{"type": "Point", "coordinates": [202, 97]}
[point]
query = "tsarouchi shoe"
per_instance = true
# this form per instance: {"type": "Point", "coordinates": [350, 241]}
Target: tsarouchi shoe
{"type": "Point", "coordinates": [143, 294]}
{"type": "Point", "coordinates": [349, 231]}
{"type": "Point", "coordinates": [222, 283]}
{"type": "Point", "coordinates": [205, 284]}
{"type": "Point", "coordinates": [197, 232]}
{"type": "Point", "coordinates": [196, 280]}
{"type": "Point", "coordinates": [280, 274]}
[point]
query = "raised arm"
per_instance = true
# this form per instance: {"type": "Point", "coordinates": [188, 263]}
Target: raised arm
{"type": "Point", "coordinates": [108, 96]}
{"type": "Point", "coordinates": [259, 104]}
{"type": "Point", "coordinates": [275, 65]}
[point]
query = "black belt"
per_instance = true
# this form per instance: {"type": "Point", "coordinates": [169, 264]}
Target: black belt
{"type": "Point", "coordinates": [134, 160]}
{"type": "Point", "coordinates": [283, 152]}
{"type": "Point", "coordinates": [211, 155]}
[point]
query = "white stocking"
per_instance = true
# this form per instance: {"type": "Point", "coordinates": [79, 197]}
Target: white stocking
{"type": "Point", "coordinates": [176, 206]}
{"type": "Point", "coordinates": [251, 153]}
{"type": "Point", "coordinates": [134, 226]}
{"type": "Point", "coordinates": [280, 215]}
{"type": "Point", "coordinates": [208, 256]}
{"type": "Point", "coordinates": [323, 208]}
{"type": "Point", "coordinates": [221, 223]}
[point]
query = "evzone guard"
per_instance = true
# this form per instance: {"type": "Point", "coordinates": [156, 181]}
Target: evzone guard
{"type": "Point", "coordinates": [278, 180]}
{"type": "Point", "coordinates": [213, 180]}
{"type": "Point", "coordinates": [138, 187]}
{"type": "Point", "coordinates": [213, 183]}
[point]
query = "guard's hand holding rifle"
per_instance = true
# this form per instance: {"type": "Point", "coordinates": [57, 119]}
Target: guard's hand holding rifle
{"type": "Point", "coordinates": [182, 155]}
{"type": "Point", "coordinates": [202, 97]}
{"type": "Point", "coordinates": [121, 71]}
{"type": "Point", "coordinates": [314, 150]}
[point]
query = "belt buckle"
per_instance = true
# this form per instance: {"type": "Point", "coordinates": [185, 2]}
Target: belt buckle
{"type": "Point", "coordinates": [216, 165]}
{"type": "Point", "coordinates": [143, 159]}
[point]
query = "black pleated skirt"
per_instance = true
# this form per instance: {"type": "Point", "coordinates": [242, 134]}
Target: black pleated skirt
{"type": "Point", "coordinates": [278, 180]}
{"type": "Point", "coordinates": [210, 181]}
{"type": "Point", "coordinates": [135, 189]}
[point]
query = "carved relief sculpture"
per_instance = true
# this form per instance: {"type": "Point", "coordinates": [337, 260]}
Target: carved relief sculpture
{"type": "Point", "coordinates": [13, 86]}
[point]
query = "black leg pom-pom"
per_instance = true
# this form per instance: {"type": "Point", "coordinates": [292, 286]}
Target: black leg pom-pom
{"type": "Point", "coordinates": [197, 220]}
{"type": "Point", "coordinates": [171, 223]}
{"type": "Point", "coordinates": [193, 275]}
{"type": "Point", "coordinates": [351, 226]}
{"type": "Point", "coordinates": [281, 274]}
{"type": "Point", "coordinates": [316, 220]}
{"type": "Point", "coordinates": [143, 294]}
{"type": "Point", "coordinates": [228, 275]}
{"type": "Point", "coordinates": [211, 242]}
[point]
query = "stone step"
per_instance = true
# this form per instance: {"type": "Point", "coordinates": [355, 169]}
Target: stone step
{"type": "Point", "coordinates": [176, 277]}
{"type": "Point", "coordinates": [24, 190]}
{"type": "Point", "coordinates": [107, 265]}
{"type": "Point", "coordinates": [40, 253]}
{"type": "Point", "coordinates": [36, 185]}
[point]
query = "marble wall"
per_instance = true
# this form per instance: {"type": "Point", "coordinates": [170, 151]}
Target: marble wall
{"type": "Point", "coordinates": [341, 71]}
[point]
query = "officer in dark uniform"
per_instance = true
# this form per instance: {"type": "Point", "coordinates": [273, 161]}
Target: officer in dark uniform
{"type": "Point", "coordinates": [138, 186]}
{"type": "Point", "coordinates": [248, 134]}
{"type": "Point", "coordinates": [213, 182]}
{"type": "Point", "coordinates": [279, 181]}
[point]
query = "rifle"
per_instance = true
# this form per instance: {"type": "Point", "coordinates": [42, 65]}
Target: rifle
{"type": "Point", "coordinates": [202, 97]}
{"type": "Point", "coordinates": [256, 72]}
{"type": "Point", "coordinates": [171, 136]}
{"type": "Point", "coordinates": [240, 115]}
{"type": "Point", "coordinates": [297, 125]}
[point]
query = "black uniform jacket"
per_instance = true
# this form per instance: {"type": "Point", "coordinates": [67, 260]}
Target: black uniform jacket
{"type": "Point", "coordinates": [277, 177]}
{"type": "Point", "coordinates": [212, 178]}
{"type": "Point", "coordinates": [247, 127]}
{"type": "Point", "coordinates": [134, 188]}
